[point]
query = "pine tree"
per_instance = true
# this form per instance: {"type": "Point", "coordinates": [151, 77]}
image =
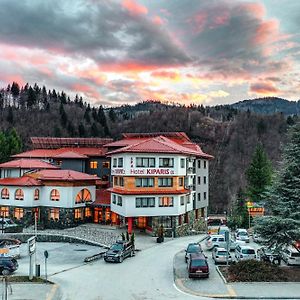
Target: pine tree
{"type": "Point", "coordinates": [63, 115]}
{"type": "Point", "coordinates": [112, 115]}
{"type": "Point", "coordinates": [94, 130]}
{"type": "Point", "coordinates": [14, 142]}
{"type": "Point", "coordinates": [31, 98]}
{"type": "Point", "coordinates": [81, 130]}
{"type": "Point", "coordinates": [283, 226]}
{"type": "Point", "coordinates": [86, 116]}
{"type": "Point", "coordinates": [259, 175]}
{"type": "Point", "coordinates": [10, 116]}
{"type": "Point", "coordinates": [3, 148]}
{"type": "Point", "coordinates": [102, 120]}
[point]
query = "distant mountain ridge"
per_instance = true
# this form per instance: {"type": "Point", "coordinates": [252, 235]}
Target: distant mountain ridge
{"type": "Point", "coordinates": [268, 105]}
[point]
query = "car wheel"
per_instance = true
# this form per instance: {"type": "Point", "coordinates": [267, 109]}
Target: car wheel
{"type": "Point", "coordinates": [121, 259]}
{"type": "Point", "coordinates": [5, 272]}
{"type": "Point", "coordinates": [131, 253]}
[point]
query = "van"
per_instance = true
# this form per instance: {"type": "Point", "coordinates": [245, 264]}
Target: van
{"type": "Point", "coordinates": [197, 265]}
{"type": "Point", "coordinates": [244, 253]}
{"type": "Point", "coordinates": [223, 229]}
{"type": "Point", "coordinates": [291, 256]}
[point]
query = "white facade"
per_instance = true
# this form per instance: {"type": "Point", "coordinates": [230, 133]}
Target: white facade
{"type": "Point", "coordinates": [66, 200]}
{"type": "Point", "coordinates": [202, 183]}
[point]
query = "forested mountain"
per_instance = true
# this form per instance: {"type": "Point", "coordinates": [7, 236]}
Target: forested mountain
{"type": "Point", "coordinates": [269, 105]}
{"type": "Point", "coordinates": [228, 134]}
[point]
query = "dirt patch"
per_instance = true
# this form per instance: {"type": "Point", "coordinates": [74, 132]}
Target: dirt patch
{"type": "Point", "coordinates": [255, 271]}
{"type": "Point", "coordinates": [20, 279]}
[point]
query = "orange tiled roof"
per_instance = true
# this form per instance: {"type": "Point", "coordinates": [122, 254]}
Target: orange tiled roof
{"type": "Point", "coordinates": [102, 197]}
{"type": "Point", "coordinates": [25, 163]}
{"type": "Point", "coordinates": [20, 181]}
{"type": "Point", "coordinates": [62, 175]}
{"type": "Point", "coordinates": [162, 144]}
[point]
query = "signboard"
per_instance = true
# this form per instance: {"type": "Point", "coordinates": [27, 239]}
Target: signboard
{"type": "Point", "coordinates": [4, 251]}
{"type": "Point", "coordinates": [31, 245]}
{"type": "Point", "coordinates": [139, 171]}
{"type": "Point", "coordinates": [256, 211]}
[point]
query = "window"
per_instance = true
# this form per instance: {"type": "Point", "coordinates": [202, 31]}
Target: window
{"type": "Point", "coordinates": [145, 162]}
{"type": "Point", "coordinates": [36, 194]}
{"type": "Point", "coordinates": [106, 164]}
{"type": "Point", "coordinates": [204, 195]}
{"type": "Point", "coordinates": [199, 197]}
{"type": "Point", "coordinates": [165, 182]}
{"type": "Point", "coordinates": [121, 181]}
{"type": "Point", "coordinates": [93, 164]}
{"type": "Point", "coordinates": [114, 162]}
{"type": "Point", "coordinates": [54, 213]}
{"type": "Point", "coordinates": [116, 180]}
{"type": "Point", "coordinates": [199, 180]}
{"type": "Point", "coordinates": [181, 181]}
{"type": "Point", "coordinates": [18, 213]}
{"type": "Point", "coordinates": [204, 179]}
{"type": "Point", "coordinates": [144, 182]}
{"type": "Point", "coordinates": [182, 163]}
{"type": "Point", "coordinates": [166, 201]}
{"type": "Point", "coordinates": [199, 164]}
{"type": "Point", "coordinates": [120, 162]}
{"type": "Point", "coordinates": [4, 212]}
{"type": "Point", "coordinates": [204, 164]}
{"type": "Point", "coordinates": [119, 201]}
{"type": "Point", "coordinates": [54, 195]}
{"type": "Point", "coordinates": [145, 202]}
{"type": "Point", "coordinates": [83, 196]}
{"type": "Point", "coordinates": [19, 194]}
{"type": "Point", "coordinates": [188, 199]}
{"type": "Point", "coordinates": [166, 162]}
{"type": "Point", "coordinates": [5, 193]}
{"type": "Point", "coordinates": [114, 199]}
{"type": "Point", "coordinates": [181, 200]}
{"type": "Point", "coordinates": [88, 212]}
{"type": "Point", "coordinates": [78, 213]}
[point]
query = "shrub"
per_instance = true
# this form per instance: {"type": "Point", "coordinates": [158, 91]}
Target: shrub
{"type": "Point", "coordinates": [253, 270]}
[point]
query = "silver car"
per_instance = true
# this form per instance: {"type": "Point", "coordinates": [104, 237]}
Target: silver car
{"type": "Point", "coordinates": [242, 235]}
{"type": "Point", "coordinates": [220, 255]}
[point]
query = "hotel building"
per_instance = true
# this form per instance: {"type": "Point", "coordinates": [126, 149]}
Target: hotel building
{"type": "Point", "coordinates": [159, 179]}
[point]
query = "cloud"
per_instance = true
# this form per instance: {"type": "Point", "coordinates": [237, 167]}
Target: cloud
{"type": "Point", "coordinates": [134, 8]}
{"type": "Point", "coordinates": [264, 88]}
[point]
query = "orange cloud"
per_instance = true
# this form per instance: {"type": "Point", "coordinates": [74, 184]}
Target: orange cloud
{"type": "Point", "coordinates": [167, 75]}
{"type": "Point", "coordinates": [256, 9]}
{"type": "Point", "coordinates": [157, 20]}
{"type": "Point", "coordinates": [9, 78]}
{"type": "Point", "coordinates": [264, 88]}
{"type": "Point", "coordinates": [85, 89]}
{"type": "Point", "coordinates": [134, 8]}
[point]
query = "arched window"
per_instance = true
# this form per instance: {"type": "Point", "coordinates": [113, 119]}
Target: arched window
{"type": "Point", "coordinates": [5, 193]}
{"type": "Point", "coordinates": [36, 194]}
{"type": "Point", "coordinates": [54, 195]}
{"type": "Point", "coordinates": [19, 194]}
{"type": "Point", "coordinates": [83, 196]}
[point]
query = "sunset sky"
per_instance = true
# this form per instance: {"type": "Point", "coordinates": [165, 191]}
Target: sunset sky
{"type": "Point", "coordinates": [186, 51]}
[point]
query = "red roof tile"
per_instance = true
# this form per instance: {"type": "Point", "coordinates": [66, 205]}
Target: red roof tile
{"type": "Point", "coordinates": [20, 181]}
{"type": "Point", "coordinates": [63, 175]}
{"type": "Point", "coordinates": [24, 163]}
{"type": "Point", "coordinates": [161, 144]}
{"type": "Point", "coordinates": [69, 154]}
{"type": "Point", "coordinates": [102, 197]}
{"type": "Point", "coordinates": [148, 192]}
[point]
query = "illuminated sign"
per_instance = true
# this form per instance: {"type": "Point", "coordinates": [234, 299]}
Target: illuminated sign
{"type": "Point", "coordinates": [151, 171]}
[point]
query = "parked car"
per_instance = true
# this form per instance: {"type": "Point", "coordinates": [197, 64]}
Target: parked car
{"type": "Point", "coordinates": [10, 247]}
{"type": "Point", "coordinates": [219, 255]}
{"type": "Point", "coordinates": [8, 265]}
{"type": "Point", "coordinates": [197, 265]}
{"type": "Point", "coordinates": [192, 248]}
{"type": "Point", "coordinates": [119, 251]}
{"type": "Point", "coordinates": [219, 241]}
{"type": "Point", "coordinates": [269, 255]}
{"type": "Point", "coordinates": [7, 225]}
{"type": "Point", "coordinates": [291, 256]}
{"type": "Point", "coordinates": [242, 235]}
{"type": "Point", "coordinates": [244, 253]}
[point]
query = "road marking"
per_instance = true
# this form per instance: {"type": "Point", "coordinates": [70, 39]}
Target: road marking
{"type": "Point", "coordinates": [231, 290]}
{"type": "Point", "coordinates": [52, 292]}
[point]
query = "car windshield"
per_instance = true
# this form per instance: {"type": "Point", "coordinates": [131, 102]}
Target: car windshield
{"type": "Point", "coordinates": [198, 263]}
{"type": "Point", "coordinates": [221, 253]}
{"type": "Point", "coordinates": [248, 251]}
{"type": "Point", "coordinates": [193, 248]}
{"type": "Point", "coordinates": [243, 233]}
{"type": "Point", "coordinates": [117, 247]}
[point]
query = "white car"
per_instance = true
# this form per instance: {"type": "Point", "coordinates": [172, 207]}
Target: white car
{"type": "Point", "coordinates": [291, 256]}
{"type": "Point", "coordinates": [218, 240]}
{"type": "Point", "coordinates": [220, 255]}
{"type": "Point", "coordinates": [242, 235]}
{"type": "Point", "coordinates": [244, 253]}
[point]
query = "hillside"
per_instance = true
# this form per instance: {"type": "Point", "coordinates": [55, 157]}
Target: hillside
{"type": "Point", "coordinates": [269, 105]}
{"type": "Point", "coordinates": [225, 132]}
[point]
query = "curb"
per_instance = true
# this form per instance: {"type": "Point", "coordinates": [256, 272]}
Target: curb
{"type": "Point", "coordinates": [221, 275]}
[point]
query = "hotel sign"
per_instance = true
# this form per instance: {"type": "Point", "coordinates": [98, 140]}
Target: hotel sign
{"type": "Point", "coordinates": [150, 171]}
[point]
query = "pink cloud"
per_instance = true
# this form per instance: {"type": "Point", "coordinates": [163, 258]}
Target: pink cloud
{"type": "Point", "coordinates": [264, 88]}
{"type": "Point", "coordinates": [9, 78]}
{"type": "Point", "coordinates": [157, 20]}
{"type": "Point", "coordinates": [85, 89]}
{"type": "Point", "coordinates": [255, 9]}
{"type": "Point", "coordinates": [134, 7]}
{"type": "Point", "coordinates": [166, 74]}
